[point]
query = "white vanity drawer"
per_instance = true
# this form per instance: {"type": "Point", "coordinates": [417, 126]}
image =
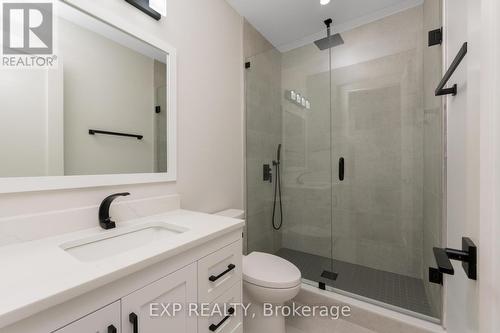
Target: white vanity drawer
{"type": "Point", "coordinates": [224, 323]}
{"type": "Point", "coordinates": [219, 271]}
{"type": "Point", "coordinates": [105, 320]}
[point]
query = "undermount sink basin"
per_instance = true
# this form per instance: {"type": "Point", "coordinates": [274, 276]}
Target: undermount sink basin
{"type": "Point", "coordinates": [120, 240]}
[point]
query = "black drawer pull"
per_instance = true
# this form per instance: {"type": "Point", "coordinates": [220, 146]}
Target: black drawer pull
{"type": "Point", "coordinates": [214, 327]}
{"type": "Point", "coordinates": [132, 318]}
{"type": "Point", "coordinates": [112, 329]}
{"type": "Point", "coordinates": [214, 278]}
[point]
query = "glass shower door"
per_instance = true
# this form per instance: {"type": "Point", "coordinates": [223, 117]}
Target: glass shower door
{"type": "Point", "coordinates": [387, 136]}
{"type": "Point", "coordinates": [377, 131]}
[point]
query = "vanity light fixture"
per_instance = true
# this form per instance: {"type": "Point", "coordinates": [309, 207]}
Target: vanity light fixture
{"type": "Point", "coordinates": [143, 5]}
{"type": "Point", "coordinates": [324, 2]}
{"type": "Point", "coordinates": [297, 99]}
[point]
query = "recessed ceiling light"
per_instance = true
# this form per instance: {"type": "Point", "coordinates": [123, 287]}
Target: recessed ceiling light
{"type": "Point", "coordinates": [324, 2]}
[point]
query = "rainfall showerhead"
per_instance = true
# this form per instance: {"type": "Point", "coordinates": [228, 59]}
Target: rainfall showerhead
{"type": "Point", "coordinates": [330, 40]}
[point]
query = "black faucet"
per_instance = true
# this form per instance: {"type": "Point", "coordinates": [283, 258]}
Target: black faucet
{"type": "Point", "coordinates": [104, 219]}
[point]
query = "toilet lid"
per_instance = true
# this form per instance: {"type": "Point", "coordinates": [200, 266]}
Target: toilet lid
{"type": "Point", "coordinates": [270, 271]}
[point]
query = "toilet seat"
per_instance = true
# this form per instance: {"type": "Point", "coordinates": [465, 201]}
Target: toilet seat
{"type": "Point", "coordinates": [270, 271]}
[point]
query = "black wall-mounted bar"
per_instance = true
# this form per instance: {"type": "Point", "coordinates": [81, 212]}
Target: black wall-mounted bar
{"type": "Point", "coordinates": [467, 255]}
{"type": "Point", "coordinates": [94, 131]}
{"type": "Point", "coordinates": [143, 5]}
{"type": "Point", "coordinates": [441, 90]}
{"type": "Point", "coordinates": [443, 261]}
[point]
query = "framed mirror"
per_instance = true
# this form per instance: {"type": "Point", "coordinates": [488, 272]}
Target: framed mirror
{"type": "Point", "coordinates": [104, 113]}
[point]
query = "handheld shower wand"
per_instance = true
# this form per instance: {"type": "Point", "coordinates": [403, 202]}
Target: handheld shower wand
{"type": "Point", "coordinates": [277, 190]}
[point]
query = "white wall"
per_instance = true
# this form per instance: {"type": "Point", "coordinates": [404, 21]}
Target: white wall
{"type": "Point", "coordinates": [462, 24]}
{"type": "Point", "coordinates": [208, 38]}
{"type": "Point", "coordinates": [489, 294]}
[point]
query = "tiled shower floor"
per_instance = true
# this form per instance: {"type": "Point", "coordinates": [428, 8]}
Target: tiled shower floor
{"type": "Point", "coordinates": [398, 290]}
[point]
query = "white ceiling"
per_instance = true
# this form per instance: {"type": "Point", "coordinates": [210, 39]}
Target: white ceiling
{"type": "Point", "coordinates": [288, 24]}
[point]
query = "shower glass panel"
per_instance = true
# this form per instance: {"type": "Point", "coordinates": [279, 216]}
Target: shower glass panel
{"type": "Point", "coordinates": [284, 106]}
{"type": "Point", "coordinates": [362, 160]}
{"type": "Point", "coordinates": [307, 166]}
{"type": "Point", "coordinates": [263, 136]}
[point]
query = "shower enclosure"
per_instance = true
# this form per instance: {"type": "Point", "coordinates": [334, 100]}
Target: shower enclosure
{"type": "Point", "coordinates": [362, 160]}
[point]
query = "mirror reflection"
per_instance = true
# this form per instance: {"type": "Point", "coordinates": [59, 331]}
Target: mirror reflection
{"type": "Point", "coordinates": [101, 110]}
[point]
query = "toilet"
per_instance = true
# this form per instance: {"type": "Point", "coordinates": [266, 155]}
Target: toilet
{"type": "Point", "coordinates": [268, 282]}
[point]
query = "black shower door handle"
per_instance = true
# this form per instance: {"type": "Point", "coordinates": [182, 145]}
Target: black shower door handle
{"type": "Point", "coordinates": [341, 168]}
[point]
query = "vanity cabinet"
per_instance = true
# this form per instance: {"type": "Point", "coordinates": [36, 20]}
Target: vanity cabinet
{"type": "Point", "coordinates": [105, 320]}
{"type": "Point", "coordinates": [151, 309]}
{"type": "Point", "coordinates": [209, 275]}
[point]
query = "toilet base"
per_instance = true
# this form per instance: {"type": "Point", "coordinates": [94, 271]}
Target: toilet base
{"type": "Point", "coordinates": [260, 323]}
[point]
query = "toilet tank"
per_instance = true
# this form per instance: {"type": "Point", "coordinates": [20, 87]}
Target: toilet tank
{"type": "Point", "coordinates": [233, 213]}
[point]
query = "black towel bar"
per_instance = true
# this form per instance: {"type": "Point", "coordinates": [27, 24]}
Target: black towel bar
{"type": "Point", "coordinates": [441, 90]}
{"type": "Point", "coordinates": [94, 131]}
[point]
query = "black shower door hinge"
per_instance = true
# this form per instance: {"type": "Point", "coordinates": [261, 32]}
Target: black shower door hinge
{"type": "Point", "coordinates": [436, 37]}
{"type": "Point", "coordinates": [248, 64]}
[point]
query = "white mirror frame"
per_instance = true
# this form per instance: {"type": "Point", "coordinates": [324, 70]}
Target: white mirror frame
{"type": "Point", "coordinates": [30, 184]}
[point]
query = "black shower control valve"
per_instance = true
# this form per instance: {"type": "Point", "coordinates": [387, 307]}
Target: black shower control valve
{"type": "Point", "coordinates": [267, 173]}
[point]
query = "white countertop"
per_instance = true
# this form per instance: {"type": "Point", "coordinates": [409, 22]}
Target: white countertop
{"type": "Point", "coordinates": [40, 274]}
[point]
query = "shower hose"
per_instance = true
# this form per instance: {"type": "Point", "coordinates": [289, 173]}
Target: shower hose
{"type": "Point", "coordinates": [277, 192]}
